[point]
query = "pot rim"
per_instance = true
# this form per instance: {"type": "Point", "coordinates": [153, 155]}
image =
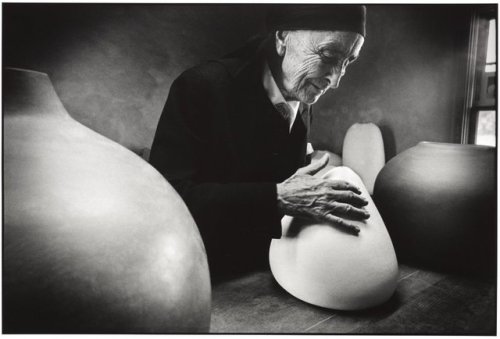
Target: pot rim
{"type": "Point", "coordinates": [452, 145]}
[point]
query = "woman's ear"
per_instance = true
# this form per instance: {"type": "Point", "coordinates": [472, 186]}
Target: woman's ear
{"type": "Point", "coordinates": [280, 38]}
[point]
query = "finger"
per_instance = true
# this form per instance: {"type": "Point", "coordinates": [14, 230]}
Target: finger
{"type": "Point", "coordinates": [315, 166]}
{"type": "Point", "coordinates": [348, 197]}
{"type": "Point", "coordinates": [344, 185]}
{"type": "Point", "coordinates": [349, 227]}
{"type": "Point", "coordinates": [348, 211]}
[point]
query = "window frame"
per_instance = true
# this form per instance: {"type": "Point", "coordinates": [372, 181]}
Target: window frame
{"type": "Point", "coordinates": [472, 105]}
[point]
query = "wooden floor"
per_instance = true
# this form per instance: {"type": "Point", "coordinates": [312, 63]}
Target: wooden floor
{"type": "Point", "coordinates": [425, 302]}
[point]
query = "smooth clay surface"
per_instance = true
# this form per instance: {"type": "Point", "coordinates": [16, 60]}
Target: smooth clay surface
{"type": "Point", "coordinates": [326, 266]}
{"type": "Point", "coordinates": [95, 239]}
{"type": "Point", "coordinates": [439, 202]}
{"type": "Point", "coordinates": [363, 152]}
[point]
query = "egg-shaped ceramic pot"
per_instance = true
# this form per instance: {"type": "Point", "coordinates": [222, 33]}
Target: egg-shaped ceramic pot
{"type": "Point", "coordinates": [329, 267]}
{"type": "Point", "coordinates": [334, 160]}
{"type": "Point", "coordinates": [363, 152]}
{"type": "Point", "coordinates": [439, 204]}
{"type": "Point", "coordinates": [95, 239]}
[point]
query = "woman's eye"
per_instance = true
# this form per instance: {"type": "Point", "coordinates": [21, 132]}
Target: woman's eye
{"type": "Point", "coordinates": [328, 58]}
{"type": "Point", "coordinates": [326, 54]}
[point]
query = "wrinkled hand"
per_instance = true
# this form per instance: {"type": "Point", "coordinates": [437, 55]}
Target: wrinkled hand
{"type": "Point", "coordinates": [332, 201]}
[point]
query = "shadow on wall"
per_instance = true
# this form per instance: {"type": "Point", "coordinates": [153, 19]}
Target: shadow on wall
{"type": "Point", "coordinates": [389, 141]}
{"type": "Point", "coordinates": [409, 79]}
{"type": "Point", "coordinates": [112, 65]}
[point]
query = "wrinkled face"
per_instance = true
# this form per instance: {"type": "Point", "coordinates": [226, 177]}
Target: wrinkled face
{"type": "Point", "coordinates": [314, 61]}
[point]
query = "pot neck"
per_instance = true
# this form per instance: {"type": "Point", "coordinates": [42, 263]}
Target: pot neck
{"type": "Point", "coordinates": [29, 93]}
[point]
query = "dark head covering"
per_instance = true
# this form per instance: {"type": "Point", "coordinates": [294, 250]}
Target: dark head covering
{"type": "Point", "coordinates": [349, 18]}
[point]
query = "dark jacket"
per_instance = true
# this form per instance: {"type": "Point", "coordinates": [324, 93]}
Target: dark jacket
{"type": "Point", "coordinates": [222, 145]}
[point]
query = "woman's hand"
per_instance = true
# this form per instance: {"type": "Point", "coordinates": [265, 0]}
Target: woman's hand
{"type": "Point", "coordinates": [332, 201]}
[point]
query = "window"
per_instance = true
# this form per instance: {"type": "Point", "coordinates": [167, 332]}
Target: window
{"type": "Point", "coordinates": [486, 122]}
{"type": "Point", "coordinates": [488, 69]}
{"type": "Point", "coordinates": [485, 128]}
{"type": "Point", "coordinates": [479, 124]}
{"type": "Point", "coordinates": [491, 57]}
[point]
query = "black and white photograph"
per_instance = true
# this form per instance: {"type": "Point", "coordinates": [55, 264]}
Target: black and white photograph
{"type": "Point", "coordinates": [257, 168]}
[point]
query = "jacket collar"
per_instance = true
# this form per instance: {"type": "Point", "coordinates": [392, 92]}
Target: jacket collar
{"type": "Point", "coordinates": [249, 99]}
{"type": "Point", "coordinates": [252, 52]}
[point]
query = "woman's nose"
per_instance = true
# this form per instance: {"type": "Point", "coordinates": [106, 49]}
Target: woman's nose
{"type": "Point", "coordinates": [334, 77]}
{"type": "Point", "coordinates": [335, 73]}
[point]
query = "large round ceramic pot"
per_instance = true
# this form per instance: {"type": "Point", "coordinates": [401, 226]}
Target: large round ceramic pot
{"type": "Point", "coordinates": [326, 266]}
{"type": "Point", "coordinates": [439, 204]}
{"type": "Point", "coordinates": [95, 239]}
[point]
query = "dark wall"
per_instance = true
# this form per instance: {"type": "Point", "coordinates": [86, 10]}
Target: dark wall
{"type": "Point", "coordinates": [409, 79]}
{"type": "Point", "coordinates": [112, 65]}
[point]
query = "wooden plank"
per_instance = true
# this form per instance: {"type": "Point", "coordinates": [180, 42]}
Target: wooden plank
{"type": "Point", "coordinates": [425, 302]}
{"type": "Point", "coordinates": [257, 304]}
{"type": "Point", "coordinates": [453, 306]}
{"type": "Point", "coordinates": [405, 271]}
{"type": "Point", "coordinates": [411, 282]}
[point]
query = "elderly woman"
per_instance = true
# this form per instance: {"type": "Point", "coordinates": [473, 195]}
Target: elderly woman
{"type": "Point", "coordinates": [232, 138]}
